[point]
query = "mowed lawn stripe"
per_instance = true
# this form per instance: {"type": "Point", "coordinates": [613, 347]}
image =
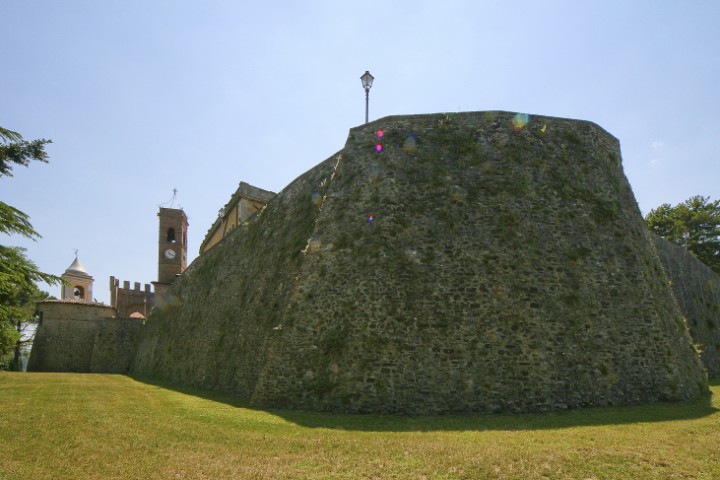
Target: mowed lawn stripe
{"type": "Point", "coordinates": [96, 426]}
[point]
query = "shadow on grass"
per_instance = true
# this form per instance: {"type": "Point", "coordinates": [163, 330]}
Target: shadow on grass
{"type": "Point", "coordinates": [597, 416]}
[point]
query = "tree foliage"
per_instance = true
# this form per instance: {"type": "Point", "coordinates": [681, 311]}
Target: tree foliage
{"type": "Point", "coordinates": [18, 274]}
{"type": "Point", "coordinates": [13, 220]}
{"type": "Point", "coordinates": [18, 311]}
{"type": "Point", "coordinates": [14, 150]}
{"type": "Point", "coordinates": [694, 224]}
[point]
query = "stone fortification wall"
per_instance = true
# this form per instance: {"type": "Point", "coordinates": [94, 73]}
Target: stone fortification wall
{"type": "Point", "coordinates": [128, 301]}
{"type": "Point", "coordinates": [697, 290]}
{"type": "Point", "coordinates": [223, 308]}
{"type": "Point", "coordinates": [454, 263]}
{"type": "Point", "coordinates": [79, 337]}
{"type": "Point", "coordinates": [115, 345]}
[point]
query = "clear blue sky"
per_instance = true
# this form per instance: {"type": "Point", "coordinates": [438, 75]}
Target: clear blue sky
{"type": "Point", "coordinates": [141, 97]}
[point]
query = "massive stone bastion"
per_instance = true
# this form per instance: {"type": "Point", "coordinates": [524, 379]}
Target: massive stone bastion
{"type": "Point", "coordinates": [469, 262]}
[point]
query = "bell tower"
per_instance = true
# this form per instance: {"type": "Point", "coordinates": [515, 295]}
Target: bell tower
{"type": "Point", "coordinates": [172, 247]}
{"type": "Point", "coordinates": [78, 283]}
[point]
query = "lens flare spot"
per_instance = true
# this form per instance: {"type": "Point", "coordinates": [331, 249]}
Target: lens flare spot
{"type": "Point", "coordinates": [520, 120]}
{"type": "Point", "coordinates": [410, 144]}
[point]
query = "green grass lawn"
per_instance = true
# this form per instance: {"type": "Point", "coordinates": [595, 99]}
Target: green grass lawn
{"type": "Point", "coordinates": [75, 426]}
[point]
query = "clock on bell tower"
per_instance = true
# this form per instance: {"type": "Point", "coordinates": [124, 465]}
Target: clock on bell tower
{"type": "Point", "coordinates": [172, 247]}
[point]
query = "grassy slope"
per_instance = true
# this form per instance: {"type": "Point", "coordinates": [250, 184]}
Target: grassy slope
{"type": "Point", "coordinates": [114, 427]}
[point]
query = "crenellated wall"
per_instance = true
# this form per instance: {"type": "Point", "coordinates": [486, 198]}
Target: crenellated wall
{"type": "Point", "coordinates": [466, 262]}
{"type": "Point", "coordinates": [128, 301]}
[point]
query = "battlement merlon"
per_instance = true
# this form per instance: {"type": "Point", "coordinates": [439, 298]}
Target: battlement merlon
{"type": "Point", "coordinates": [125, 289]}
{"type": "Point", "coordinates": [115, 283]}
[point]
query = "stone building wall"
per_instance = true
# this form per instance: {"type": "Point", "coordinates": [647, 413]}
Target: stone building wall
{"type": "Point", "coordinates": [115, 345]}
{"type": "Point", "coordinates": [471, 262]}
{"type": "Point", "coordinates": [128, 301]}
{"type": "Point", "coordinates": [244, 203]}
{"type": "Point", "coordinates": [697, 290]}
{"type": "Point", "coordinates": [80, 337]}
{"type": "Point", "coordinates": [224, 307]}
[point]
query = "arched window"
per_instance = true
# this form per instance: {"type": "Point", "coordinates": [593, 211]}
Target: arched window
{"type": "Point", "coordinates": [79, 293]}
{"type": "Point", "coordinates": [171, 235]}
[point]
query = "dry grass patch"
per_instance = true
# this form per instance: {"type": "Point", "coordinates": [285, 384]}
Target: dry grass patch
{"type": "Point", "coordinates": [114, 427]}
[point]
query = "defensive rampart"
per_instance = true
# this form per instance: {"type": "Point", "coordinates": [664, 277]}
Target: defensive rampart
{"type": "Point", "coordinates": [131, 301]}
{"type": "Point", "coordinates": [439, 263]}
{"type": "Point", "coordinates": [697, 290]}
{"type": "Point", "coordinates": [81, 337]}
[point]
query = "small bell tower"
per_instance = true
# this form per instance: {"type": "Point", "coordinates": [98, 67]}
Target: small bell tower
{"type": "Point", "coordinates": [79, 283]}
{"type": "Point", "coordinates": [172, 247]}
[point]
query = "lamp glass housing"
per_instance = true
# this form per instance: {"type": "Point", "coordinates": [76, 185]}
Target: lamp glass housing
{"type": "Point", "coordinates": [367, 80]}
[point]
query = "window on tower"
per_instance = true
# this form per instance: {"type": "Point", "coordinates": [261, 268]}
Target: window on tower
{"type": "Point", "coordinates": [171, 235]}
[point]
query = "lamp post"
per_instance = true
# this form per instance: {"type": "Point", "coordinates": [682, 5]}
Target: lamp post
{"type": "Point", "coordinates": [367, 80]}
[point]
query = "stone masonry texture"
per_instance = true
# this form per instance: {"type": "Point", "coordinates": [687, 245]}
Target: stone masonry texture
{"type": "Point", "coordinates": [80, 337]}
{"type": "Point", "coordinates": [452, 263]}
{"type": "Point", "coordinates": [697, 290]}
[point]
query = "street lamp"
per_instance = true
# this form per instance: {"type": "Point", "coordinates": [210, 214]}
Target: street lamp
{"type": "Point", "coordinates": [367, 80]}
